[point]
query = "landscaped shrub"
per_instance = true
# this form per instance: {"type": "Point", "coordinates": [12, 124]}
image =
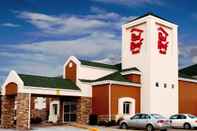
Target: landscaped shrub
{"type": "Point", "coordinates": [93, 119]}
{"type": "Point", "coordinates": [111, 123]}
{"type": "Point", "coordinates": [36, 120]}
{"type": "Point", "coordinates": [102, 123]}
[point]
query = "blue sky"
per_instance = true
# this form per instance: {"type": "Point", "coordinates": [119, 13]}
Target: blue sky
{"type": "Point", "coordinates": [37, 36]}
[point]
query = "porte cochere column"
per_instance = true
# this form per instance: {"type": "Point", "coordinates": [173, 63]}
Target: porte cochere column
{"type": "Point", "coordinates": [23, 111]}
{"type": "Point", "coordinates": [84, 109]}
{"type": "Point", "coordinates": [7, 111]}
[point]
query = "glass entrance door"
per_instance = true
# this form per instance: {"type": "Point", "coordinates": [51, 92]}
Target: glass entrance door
{"type": "Point", "coordinates": [70, 110]}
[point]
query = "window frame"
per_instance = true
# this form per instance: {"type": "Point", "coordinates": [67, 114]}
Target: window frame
{"type": "Point", "coordinates": [126, 107]}
{"type": "Point", "coordinates": [174, 116]}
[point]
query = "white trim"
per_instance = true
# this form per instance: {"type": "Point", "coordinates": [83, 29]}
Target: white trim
{"type": "Point", "coordinates": [12, 77]}
{"type": "Point", "coordinates": [187, 79]}
{"type": "Point", "coordinates": [110, 102]}
{"type": "Point", "coordinates": [116, 82]}
{"type": "Point", "coordinates": [86, 82]}
{"type": "Point", "coordinates": [51, 91]}
{"type": "Point", "coordinates": [130, 72]}
{"type": "Point", "coordinates": [121, 102]}
{"type": "Point", "coordinates": [51, 115]}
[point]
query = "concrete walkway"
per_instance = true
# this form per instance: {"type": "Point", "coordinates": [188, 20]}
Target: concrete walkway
{"type": "Point", "coordinates": [70, 128]}
{"type": "Point", "coordinates": [55, 128]}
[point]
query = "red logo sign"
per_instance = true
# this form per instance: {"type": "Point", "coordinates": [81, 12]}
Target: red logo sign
{"type": "Point", "coordinates": [136, 40]}
{"type": "Point", "coordinates": [162, 40]}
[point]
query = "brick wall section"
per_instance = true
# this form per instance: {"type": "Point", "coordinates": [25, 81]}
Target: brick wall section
{"type": "Point", "coordinates": [187, 97]}
{"type": "Point", "coordinates": [22, 113]}
{"type": "Point", "coordinates": [43, 114]}
{"type": "Point", "coordinates": [71, 72]}
{"type": "Point", "coordinates": [119, 91]}
{"type": "Point", "coordinates": [134, 78]}
{"type": "Point", "coordinates": [84, 109]}
{"type": "Point", "coordinates": [7, 111]}
{"type": "Point", "coordinates": [106, 117]}
{"type": "Point", "coordinates": [100, 99]}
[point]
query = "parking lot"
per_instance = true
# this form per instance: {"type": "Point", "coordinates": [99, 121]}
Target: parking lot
{"type": "Point", "coordinates": [70, 128]}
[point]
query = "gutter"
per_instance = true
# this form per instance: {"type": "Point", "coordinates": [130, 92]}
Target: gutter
{"type": "Point", "coordinates": [110, 114]}
{"type": "Point", "coordinates": [116, 82]}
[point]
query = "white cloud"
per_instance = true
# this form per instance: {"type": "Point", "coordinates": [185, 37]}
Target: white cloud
{"type": "Point", "coordinates": [131, 2]}
{"type": "Point", "coordinates": [187, 54]}
{"type": "Point", "coordinates": [70, 25]}
{"type": "Point", "coordinates": [92, 45]}
{"type": "Point", "coordinates": [10, 25]}
{"type": "Point", "coordinates": [47, 57]}
{"type": "Point", "coordinates": [194, 59]}
{"type": "Point", "coordinates": [102, 41]}
{"type": "Point", "coordinates": [113, 59]}
{"type": "Point", "coordinates": [73, 25]}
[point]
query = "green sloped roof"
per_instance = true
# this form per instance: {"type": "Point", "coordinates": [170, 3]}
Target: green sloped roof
{"type": "Point", "coordinates": [147, 14]}
{"type": "Point", "coordinates": [119, 66]}
{"type": "Point", "coordinates": [187, 76]}
{"type": "Point", "coordinates": [97, 64]}
{"type": "Point", "coordinates": [191, 70]}
{"type": "Point", "coordinates": [48, 82]}
{"type": "Point", "coordinates": [131, 69]}
{"type": "Point", "coordinates": [114, 76]}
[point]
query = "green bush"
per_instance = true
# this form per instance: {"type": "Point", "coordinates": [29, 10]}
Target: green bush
{"type": "Point", "coordinates": [36, 120]}
{"type": "Point", "coordinates": [102, 123]}
{"type": "Point", "coordinates": [93, 119]}
{"type": "Point", "coordinates": [111, 123]}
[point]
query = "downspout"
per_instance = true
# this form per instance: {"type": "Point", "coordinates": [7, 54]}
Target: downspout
{"type": "Point", "coordinates": [110, 101]}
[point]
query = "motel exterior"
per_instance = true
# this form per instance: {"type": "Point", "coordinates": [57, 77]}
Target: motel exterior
{"type": "Point", "coordinates": [147, 80]}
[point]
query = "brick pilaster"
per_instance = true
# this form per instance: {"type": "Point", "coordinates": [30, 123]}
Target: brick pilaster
{"type": "Point", "coordinates": [23, 111]}
{"type": "Point", "coordinates": [7, 111]}
{"type": "Point", "coordinates": [84, 109]}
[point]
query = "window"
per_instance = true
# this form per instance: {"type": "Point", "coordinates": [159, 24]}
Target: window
{"type": "Point", "coordinates": [174, 117]}
{"type": "Point", "coordinates": [141, 116]}
{"type": "Point", "coordinates": [165, 85]}
{"type": "Point", "coordinates": [157, 116]}
{"type": "Point", "coordinates": [182, 117]}
{"type": "Point", "coordinates": [40, 103]}
{"type": "Point", "coordinates": [126, 107]}
{"type": "Point", "coordinates": [137, 116]}
{"type": "Point", "coordinates": [172, 86]}
{"type": "Point", "coordinates": [192, 116]}
{"type": "Point", "coordinates": [55, 109]}
{"type": "Point", "coordinates": [70, 64]}
{"type": "Point", "coordinates": [157, 84]}
{"type": "Point", "coordinates": [145, 116]}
